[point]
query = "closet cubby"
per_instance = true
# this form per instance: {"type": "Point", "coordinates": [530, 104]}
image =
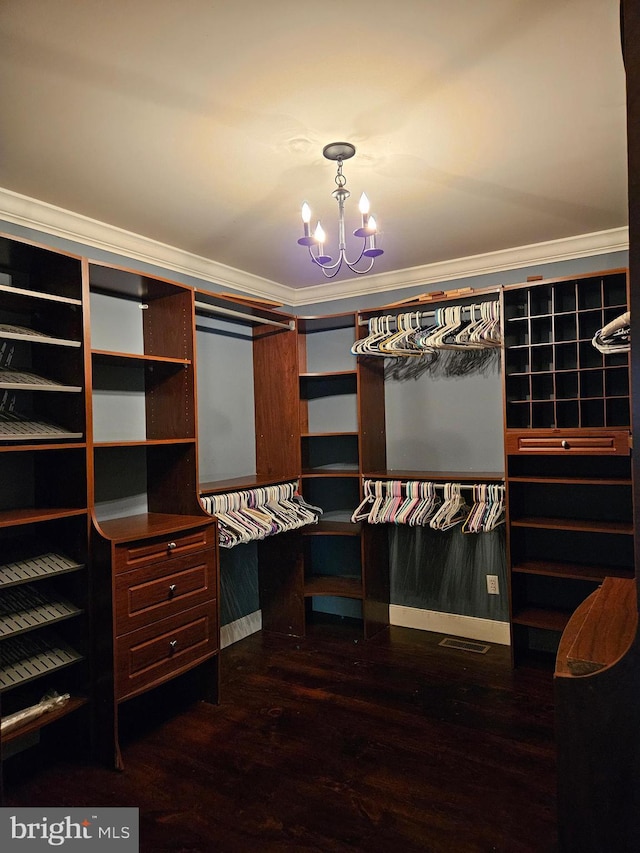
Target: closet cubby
{"type": "Point", "coordinates": [567, 445]}
{"type": "Point", "coordinates": [548, 333]}
{"type": "Point", "coordinates": [45, 605]}
{"type": "Point", "coordinates": [143, 391]}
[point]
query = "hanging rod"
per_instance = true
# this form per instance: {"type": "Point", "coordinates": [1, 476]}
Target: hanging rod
{"type": "Point", "coordinates": [439, 485]}
{"type": "Point", "coordinates": [424, 315]}
{"type": "Point", "coordinates": [251, 318]}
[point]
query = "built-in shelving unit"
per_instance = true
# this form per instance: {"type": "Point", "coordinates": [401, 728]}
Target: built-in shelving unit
{"type": "Point", "coordinates": [567, 418]}
{"type": "Point", "coordinates": [44, 625]}
{"type": "Point", "coordinates": [152, 542]}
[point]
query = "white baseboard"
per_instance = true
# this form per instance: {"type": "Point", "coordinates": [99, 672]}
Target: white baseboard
{"type": "Point", "coordinates": [240, 629]}
{"type": "Point", "coordinates": [488, 630]}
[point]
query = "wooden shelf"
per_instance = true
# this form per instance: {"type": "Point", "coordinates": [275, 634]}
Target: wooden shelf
{"type": "Point", "coordinates": [126, 359]}
{"type": "Point", "coordinates": [572, 571]}
{"type": "Point", "coordinates": [12, 517]}
{"type": "Point", "coordinates": [148, 524]}
{"type": "Point", "coordinates": [342, 587]}
{"type": "Point", "coordinates": [540, 617]}
{"type": "Point", "coordinates": [29, 448]}
{"type": "Point", "coordinates": [573, 481]}
{"type": "Point", "coordinates": [585, 525]}
{"type": "Point", "coordinates": [327, 434]}
{"type": "Point", "coordinates": [327, 323]}
{"type": "Point", "coordinates": [143, 442]}
{"type": "Point", "coordinates": [74, 703]}
{"type": "Point", "coordinates": [236, 484]}
{"type": "Point", "coordinates": [332, 374]}
{"type": "Point", "coordinates": [336, 470]}
{"type": "Point", "coordinates": [439, 476]}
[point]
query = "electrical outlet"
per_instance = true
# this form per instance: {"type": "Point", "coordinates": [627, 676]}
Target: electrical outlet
{"type": "Point", "coordinates": [493, 587]}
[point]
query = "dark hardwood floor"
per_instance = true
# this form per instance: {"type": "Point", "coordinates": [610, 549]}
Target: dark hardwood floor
{"type": "Point", "coordinates": [330, 744]}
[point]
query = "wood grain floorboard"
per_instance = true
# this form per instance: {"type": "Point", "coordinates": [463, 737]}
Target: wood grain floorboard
{"type": "Point", "coordinates": [329, 744]}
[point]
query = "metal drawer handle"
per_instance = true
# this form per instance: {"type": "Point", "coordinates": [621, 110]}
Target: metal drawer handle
{"type": "Point", "coordinates": [171, 545]}
{"type": "Point", "coordinates": [172, 590]}
{"type": "Point", "coordinates": [173, 645]}
{"type": "Point", "coordinates": [565, 444]}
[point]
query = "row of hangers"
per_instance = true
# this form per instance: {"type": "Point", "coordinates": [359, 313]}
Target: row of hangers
{"type": "Point", "coordinates": [441, 506]}
{"type": "Point", "coordinates": [253, 514]}
{"type": "Point", "coordinates": [455, 327]}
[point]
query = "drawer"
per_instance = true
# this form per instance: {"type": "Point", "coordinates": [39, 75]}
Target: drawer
{"type": "Point", "coordinates": [157, 652]}
{"type": "Point", "coordinates": [613, 443]}
{"type": "Point", "coordinates": [144, 551]}
{"type": "Point", "coordinates": [163, 589]}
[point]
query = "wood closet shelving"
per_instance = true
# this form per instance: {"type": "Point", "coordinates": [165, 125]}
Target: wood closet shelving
{"type": "Point", "coordinates": [44, 611]}
{"type": "Point", "coordinates": [567, 445]}
{"type": "Point", "coordinates": [153, 546]}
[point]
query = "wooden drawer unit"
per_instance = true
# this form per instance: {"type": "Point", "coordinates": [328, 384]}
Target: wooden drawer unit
{"type": "Point", "coordinates": [160, 650]}
{"type": "Point", "coordinates": [160, 590]}
{"type": "Point", "coordinates": [132, 555]}
{"type": "Point", "coordinates": [565, 443]}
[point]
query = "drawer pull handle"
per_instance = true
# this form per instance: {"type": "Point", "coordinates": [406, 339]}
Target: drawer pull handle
{"type": "Point", "coordinates": [171, 545]}
{"type": "Point", "coordinates": [173, 645]}
{"type": "Point", "coordinates": [565, 444]}
{"type": "Point", "coordinates": [172, 590]}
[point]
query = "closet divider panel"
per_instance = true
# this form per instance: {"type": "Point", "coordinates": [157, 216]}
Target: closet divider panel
{"type": "Point", "coordinates": [281, 584]}
{"type": "Point", "coordinates": [275, 365]}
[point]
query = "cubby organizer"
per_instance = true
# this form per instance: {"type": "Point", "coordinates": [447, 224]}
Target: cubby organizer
{"type": "Point", "coordinates": [555, 377]}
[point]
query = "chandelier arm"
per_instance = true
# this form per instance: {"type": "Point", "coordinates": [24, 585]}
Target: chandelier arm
{"type": "Point", "coordinates": [359, 258]}
{"type": "Point", "coordinates": [326, 266]}
{"type": "Point", "coordinates": [364, 271]}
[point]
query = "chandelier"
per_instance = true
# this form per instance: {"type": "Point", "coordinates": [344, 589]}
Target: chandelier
{"type": "Point", "coordinates": [338, 152]}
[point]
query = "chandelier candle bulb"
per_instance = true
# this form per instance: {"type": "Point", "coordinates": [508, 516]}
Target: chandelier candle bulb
{"type": "Point", "coordinates": [307, 239]}
{"type": "Point", "coordinates": [319, 237]}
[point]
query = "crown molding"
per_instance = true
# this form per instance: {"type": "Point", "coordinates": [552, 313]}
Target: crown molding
{"type": "Point", "coordinates": [40, 216]}
{"type": "Point", "coordinates": [552, 251]}
{"type": "Point", "coordinates": [58, 222]}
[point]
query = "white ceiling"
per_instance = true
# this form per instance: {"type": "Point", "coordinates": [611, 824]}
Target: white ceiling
{"type": "Point", "coordinates": [480, 125]}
